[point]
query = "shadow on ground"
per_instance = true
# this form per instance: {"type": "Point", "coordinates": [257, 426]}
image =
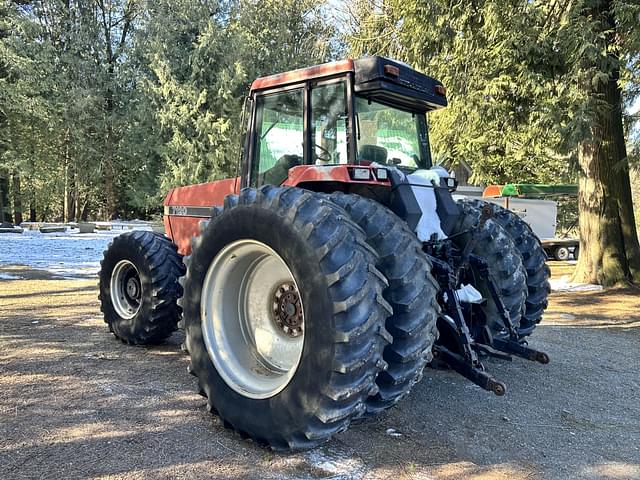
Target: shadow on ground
{"type": "Point", "coordinates": [76, 403]}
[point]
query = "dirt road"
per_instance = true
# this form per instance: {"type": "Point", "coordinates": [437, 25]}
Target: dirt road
{"type": "Point", "coordinates": [76, 403]}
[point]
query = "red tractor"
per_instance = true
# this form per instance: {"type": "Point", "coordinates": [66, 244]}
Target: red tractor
{"type": "Point", "coordinates": [315, 287]}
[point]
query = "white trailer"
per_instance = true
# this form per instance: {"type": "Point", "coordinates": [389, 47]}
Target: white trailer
{"type": "Point", "coordinates": [540, 213]}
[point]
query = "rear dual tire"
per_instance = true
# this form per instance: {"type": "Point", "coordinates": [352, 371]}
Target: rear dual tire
{"type": "Point", "coordinates": [505, 265]}
{"type": "Point", "coordinates": [411, 293]}
{"type": "Point", "coordinates": [342, 328]}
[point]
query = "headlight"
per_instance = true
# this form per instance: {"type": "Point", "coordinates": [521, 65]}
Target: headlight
{"type": "Point", "coordinates": [361, 174]}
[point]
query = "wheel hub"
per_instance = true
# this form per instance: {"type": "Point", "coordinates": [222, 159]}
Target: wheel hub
{"type": "Point", "coordinates": [126, 289]}
{"type": "Point", "coordinates": [287, 310]}
{"type": "Point", "coordinates": [133, 287]}
{"type": "Point", "coordinates": [252, 319]}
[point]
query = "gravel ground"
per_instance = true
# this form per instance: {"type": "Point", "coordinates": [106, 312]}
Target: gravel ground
{"type": "Point", "coordinates": [76, 403]}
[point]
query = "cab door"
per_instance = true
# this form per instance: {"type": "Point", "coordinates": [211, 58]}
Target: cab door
{"type": "Point", "coordinates": [278, 136]}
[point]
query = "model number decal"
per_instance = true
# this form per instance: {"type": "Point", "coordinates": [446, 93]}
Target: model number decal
{"type": "Point", "coordinates": [186, 211]}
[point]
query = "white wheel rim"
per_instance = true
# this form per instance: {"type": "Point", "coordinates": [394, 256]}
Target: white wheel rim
{"type": "Point", "coordinates": [126, 289]}
{"type": "Point", "coordinates": [254, 349]}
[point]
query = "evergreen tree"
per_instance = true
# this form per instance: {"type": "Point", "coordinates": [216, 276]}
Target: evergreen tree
{"type": "Point", "coordinates": [536, 92]}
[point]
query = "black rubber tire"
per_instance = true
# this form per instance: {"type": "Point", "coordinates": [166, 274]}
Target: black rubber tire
{"type": "Point", "coordinates": [534, 259]}
{"type": "Point", "coordinates": [344, 322]}
{"type": "Point", "coordinates": [505, 264]}
{"type": "Point", "coordinates": [576, 252]}
{"type": "Point", "coordinates": [160, 266]}
{"type": "Point", "coordinates": [411, 293]}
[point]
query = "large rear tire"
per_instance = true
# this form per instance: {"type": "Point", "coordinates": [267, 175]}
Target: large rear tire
{"type": "Point", "coordinates": [139, 287]}
{"type": "Point", "coordinates": [534, 260]}
{"type": "Point", "coordinates": [411, 293]}
{"type": "Point", "coordinates": [237, 316]}
{"type": "Point", "coordinates": [505, 265]}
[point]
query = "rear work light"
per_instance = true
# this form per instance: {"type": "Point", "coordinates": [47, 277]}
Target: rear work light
{"type": "Point", "coordinates": [360, 174]}
{"type": "Point", "coordinates": [391, 70]}
{"type": "Point", "coordinates": [382, 174]}
{"type": "Point", "coordinates": [441, 90]}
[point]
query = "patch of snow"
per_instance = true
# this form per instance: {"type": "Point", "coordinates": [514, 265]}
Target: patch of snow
{"type": "Point", "coordinates": [564, 285]}
{"type": "Point", "coordinates": [338, 465]}
{"type": "Point", "coordinates": [67, 254]}
{"type": "Point", "coordinates": [8, 276]}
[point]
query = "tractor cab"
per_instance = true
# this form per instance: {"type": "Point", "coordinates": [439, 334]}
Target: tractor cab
{"type": "Point", "coordinates": [368, 112]}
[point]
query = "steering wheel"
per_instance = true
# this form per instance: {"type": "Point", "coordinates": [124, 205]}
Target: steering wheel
{"type": "Point", "coordinates": [325, 154]}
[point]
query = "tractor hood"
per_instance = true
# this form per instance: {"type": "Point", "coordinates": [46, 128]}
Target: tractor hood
{"type": "Point", "coordinates": [423, 199]}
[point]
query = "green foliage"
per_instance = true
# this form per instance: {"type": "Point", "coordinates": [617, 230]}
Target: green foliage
{"type": "Point", "coordinates": [513, 71]}
{"type": "Point", "coordinates": [106, 104]}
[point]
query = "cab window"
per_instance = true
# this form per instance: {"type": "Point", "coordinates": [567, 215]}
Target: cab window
{"type": "Point", "coordinates": [389, 135]}
{"type": "Point", "coordinates": [279, 136]}
{"type": "Point", "coordinates": [329, 121]}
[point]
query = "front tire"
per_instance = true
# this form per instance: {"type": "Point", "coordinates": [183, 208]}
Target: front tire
{"type": "Point", "coordinates": [505, 265]}
{"type": "Point", "coordinates": [296, 400]}
{"type": "Point", "coordinates": [139, 287]}
{"type": "Point", "coordinates": [534, 260]}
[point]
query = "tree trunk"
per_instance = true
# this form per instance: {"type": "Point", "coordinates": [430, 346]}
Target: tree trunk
{"type": "Point", "coordinates": [79, 200]}
{"type": "Point", "coordinates": [65, 192]}
{"type": "Point", "coordinates": [4, 196]}
{"type": "Point", "coordinates": [71, 196]}
{"type": "Point", "coordinates": [32, 211]}
{"type": "Point", "coordinates": [85, 211]}
{"type": "Point", "coordinates": [109, 169]}
{"type": "Point", "coordinates": [113, 50]}
{"type": "Point", "coordinates": [609, 249]}
{"type": "Point", "coordinates": [17, 198]}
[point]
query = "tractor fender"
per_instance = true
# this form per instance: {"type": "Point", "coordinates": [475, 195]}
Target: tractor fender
{"type": "Point", "coordinates": [185, 207]}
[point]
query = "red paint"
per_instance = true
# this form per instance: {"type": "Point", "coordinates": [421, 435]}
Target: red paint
{"type": "Point", "coordinates": [492, 191]}
{"type": "Point", "coordinates": [182, 229]}
{"type": "Point", "coordinates": [303, 74]}
{"type": "Point", "coordinates": [203, 194]}
{"type": "Point", "coordinates": [165, 219]}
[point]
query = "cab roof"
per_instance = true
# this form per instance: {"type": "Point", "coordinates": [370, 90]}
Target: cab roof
{"type": "Point", "coordinates": [303, 74]}
{"type": "Point", "coordinates": [376, 78]}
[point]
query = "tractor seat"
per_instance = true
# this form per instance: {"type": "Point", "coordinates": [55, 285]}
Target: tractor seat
{"type": "Point", "coordinates": [372, 153]}
{"type": "Point", "coordinates": [280, 171]}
